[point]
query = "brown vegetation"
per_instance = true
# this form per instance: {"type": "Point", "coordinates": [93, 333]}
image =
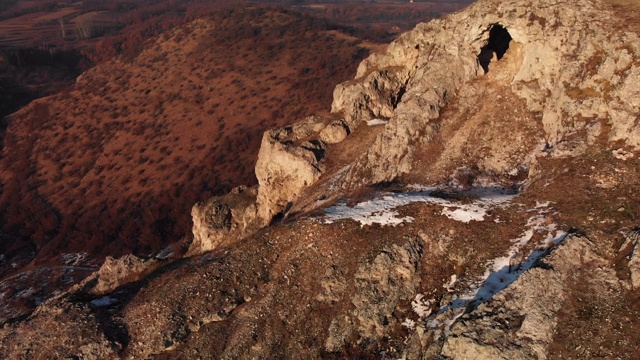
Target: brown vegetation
{"type": "Point", "coordinates": [113, 165]}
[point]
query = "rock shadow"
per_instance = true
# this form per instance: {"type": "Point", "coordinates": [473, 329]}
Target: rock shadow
{"type": "Point", "coordinates": [497, 46]}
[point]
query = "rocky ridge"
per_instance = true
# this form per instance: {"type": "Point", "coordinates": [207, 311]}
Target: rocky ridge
{"type": "Point", "coordinates": [553, 59]}
{"type": "Point", "coordinates": [521, 117]}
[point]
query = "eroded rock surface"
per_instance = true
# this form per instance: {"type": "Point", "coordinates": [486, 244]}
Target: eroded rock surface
{"type": "Point", "coordinates": [71, 331]}
{"type": "Point", "coordinates": [554, 65]}
{"type": "Point", "coordinates": [223, 218]}
{"type": "Point", "coordinates": [496, 62]}
{"type": "Point", "coordinates": [287, 165]}
{"type": "Point", "coordinates": [379, 287]}
{"type": "Point", "coordinates": [117, 272]}
{"type": "Point", "coordinates": [552, 126]}
{"type": "Point", "coordinates": [631, 249]}
{"type": "Point", "coordinates": [519, 323]}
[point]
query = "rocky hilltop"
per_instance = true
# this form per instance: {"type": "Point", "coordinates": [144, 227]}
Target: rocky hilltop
{"type": "Point", "coordinates": [113, 165]}
{"type": "Point", "coordinates": [473, 195]}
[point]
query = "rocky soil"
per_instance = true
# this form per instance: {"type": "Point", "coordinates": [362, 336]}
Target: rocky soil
{"type": "Point", "coordinates": [473, 195]}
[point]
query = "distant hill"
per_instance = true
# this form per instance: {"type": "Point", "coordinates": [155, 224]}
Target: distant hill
{"type": "Point", "coordinates": [114, 164]}
{"type": "Point", "coordinates": [45, 44]}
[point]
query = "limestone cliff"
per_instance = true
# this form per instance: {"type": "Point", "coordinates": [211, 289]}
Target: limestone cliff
{"type": "Point", "coordinates": [576, 77]}
{"type": "Point", "coordinates": [562, 58]}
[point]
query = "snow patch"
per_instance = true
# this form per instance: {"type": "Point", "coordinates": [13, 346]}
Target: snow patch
{"type": "Point", "coordinates": [451, 282]}
{"type": "Point", "coordinates": [375, 122]}
{"type": "Point", "coordinates": [382, 210]}
{"type": "Point", "coordinates": [409, 324]}
{"type": "Point", "coordinates": [422, 306]}
{"type": "Point", "coordinates": [74, 259]}
{"type": "Point", "coordinates": [506, 270]}
{"type": "Point", "coordinates": [502, 271]}
{"type": "Point", "coordinates": [542, 204]}
{"type": "Point", "coordinates": [103, 301]}
{"type": "Point", "coordinates": [465, 213]}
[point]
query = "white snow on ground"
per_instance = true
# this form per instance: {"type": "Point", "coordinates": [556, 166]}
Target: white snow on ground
{"type": "Point", "coordinates": [409, 324]}
{"type": "Point", "coordinates": [465, 213]}
{"type": "Point", "coordinates": [421, 305]}
{"type": "Point", "coordinates": [103, 301]}
{"type": "Point", "coordinates": [503, 271]}
{"type": "Point", "coordinates": [74, 259]}
{"type": "Point", "coordinates": [452, 281]}
{"type": "Point", "coordinates": [542, 204]}
{"type": "Point", "coordinates": [375, 122]}
{"type": "Point", "coordinates": [382, 210]}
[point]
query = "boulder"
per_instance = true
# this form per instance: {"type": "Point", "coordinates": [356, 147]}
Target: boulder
{"type": "Point", "coordinates": [116, 272]}
{"type": "Point", "coordinates": [335, 132]}
{"type": "Point", "coordinates": [229, 217]}
{"type": "Point", "coordinates": [284, 169]}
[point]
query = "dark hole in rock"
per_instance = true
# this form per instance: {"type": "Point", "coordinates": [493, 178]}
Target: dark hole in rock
{"type": "Point", "coordinates": [498, 44]}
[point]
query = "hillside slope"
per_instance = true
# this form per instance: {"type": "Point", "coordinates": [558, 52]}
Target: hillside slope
{"type": "Point", "coordinates": [113, 165]}
{"type": "Point", "coordinates": [474, 195]}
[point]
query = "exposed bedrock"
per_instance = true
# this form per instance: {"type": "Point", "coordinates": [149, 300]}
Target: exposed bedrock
{"type": "Point", "coordinates": [575, 79]}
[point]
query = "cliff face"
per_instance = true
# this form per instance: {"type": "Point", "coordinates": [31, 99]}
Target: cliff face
{"type": "Point", "coordinates": [474, 195]}
{"type": "Point", "coordinates": [562, 58]}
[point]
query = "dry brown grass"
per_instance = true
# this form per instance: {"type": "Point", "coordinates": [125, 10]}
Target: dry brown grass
{"type": "Point", "coordinates": [115, 164]}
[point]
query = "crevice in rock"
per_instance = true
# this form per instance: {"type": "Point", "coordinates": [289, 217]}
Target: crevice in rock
{"type": "Point", "coordinates": [395, 100]}
{"type": "Point", "coordinates": [316, 147]}
{"type": "Point", "coordinates": [279, 217]}
{"type": "Point", "coordinates": [497, 46]}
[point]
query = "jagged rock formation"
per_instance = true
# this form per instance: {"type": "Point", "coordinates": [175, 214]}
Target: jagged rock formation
{"type": "Point", "coordinates": [393, 276]}
{"type": "Point", "coordinates": [527, 322]}
{"type": "Point", "coordinates": [232, 215]}
{"type": "Point", "coordinates": [556, 63]}
{"type": "Point", "coordinates": [288, 162]}
{"type": "Point", "coordinates": [545, 57]}
{"type": "Point", "coordinates": [115, 273]}
{"type": "Point", "coordinates": [523, 246]}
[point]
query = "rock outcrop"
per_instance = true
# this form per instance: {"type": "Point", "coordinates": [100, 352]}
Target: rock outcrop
{"type": "Point", "coordinates": [117, 272]}
{"type": "Point", "coordinates": [519, 323]}
{"type": "Point", "coordinates": [335, 132]}
{"type": "Point", "coordinates": [584, 94]}
{"type": "Point", "coordinates": [224, 217]}
{"type": "Point", "coordinates": [289, 161]}
{"type": "Point", "coordinates": [73, 332]}
{"type": "Point", "coordinates": [379, 287]}
{"type": "Point", "coordinates": [545, 55]}
{"type": "Point", "coordinates": [522, 250]}
{"type": "Point", "coordinates": [631, 250]}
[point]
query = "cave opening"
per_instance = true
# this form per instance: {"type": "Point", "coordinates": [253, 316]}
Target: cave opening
{"type": "Point", "coordinates": [497, 44]}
